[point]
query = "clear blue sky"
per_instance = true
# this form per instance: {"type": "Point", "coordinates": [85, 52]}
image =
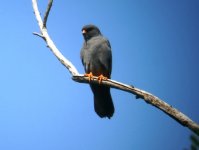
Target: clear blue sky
{"type": "Point", "coordinates": [155, 47]}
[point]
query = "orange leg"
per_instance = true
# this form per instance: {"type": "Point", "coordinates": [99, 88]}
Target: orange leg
{"type": "Point", "coordinates": [101, 77]}
{"type": "Point", "coordinates": [89, 75]}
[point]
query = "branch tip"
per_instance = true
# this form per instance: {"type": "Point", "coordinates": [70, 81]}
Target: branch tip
{"type": "Point", "coordinates": [50, 2]}
{"type": "Point", "coordinates": [38, 34]}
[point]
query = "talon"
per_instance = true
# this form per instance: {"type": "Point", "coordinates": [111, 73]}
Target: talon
{"type": "Point", "coordinates": [89, 75]}
{"type": "Point", "coordinates": [101, 77]}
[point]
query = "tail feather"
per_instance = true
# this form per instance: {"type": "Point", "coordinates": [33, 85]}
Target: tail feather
{"type": "Point", "coordinates": [103, 103]}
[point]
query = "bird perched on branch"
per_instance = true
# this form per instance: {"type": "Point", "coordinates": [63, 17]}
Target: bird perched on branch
{"type": "Point", "coordinates": [96, 57]}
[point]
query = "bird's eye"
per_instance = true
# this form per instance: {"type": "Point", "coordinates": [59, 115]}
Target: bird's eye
{"type": "Point", "coordinates": [89, 29]}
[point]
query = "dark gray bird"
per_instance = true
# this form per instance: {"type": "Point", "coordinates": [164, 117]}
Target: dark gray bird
{"type": "Point", "coordinates": [96, 57]}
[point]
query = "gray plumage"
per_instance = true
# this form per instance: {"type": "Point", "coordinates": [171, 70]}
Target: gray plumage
{"type": "Point", "coordinates": [96, 57]}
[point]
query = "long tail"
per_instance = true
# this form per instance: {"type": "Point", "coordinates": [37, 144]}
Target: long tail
{"type": "Point", "coordinates": [103, 103]}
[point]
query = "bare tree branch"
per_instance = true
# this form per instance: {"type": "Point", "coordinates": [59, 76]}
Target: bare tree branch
{"type": "Point", "coordinates": [147, 97]}
{"type": "Point", "coordinates": [50, 44]}
{"type": "Point", "coordinates": [50, 2]}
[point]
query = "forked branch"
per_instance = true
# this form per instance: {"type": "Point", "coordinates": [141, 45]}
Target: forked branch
{"type": "Point", "coordinates": [147, 97]}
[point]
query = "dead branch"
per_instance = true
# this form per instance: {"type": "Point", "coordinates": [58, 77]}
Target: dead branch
{"type": "Point", "coordinates": [50, 2]}
{"type": "Point", "coordinates": [147, 97]}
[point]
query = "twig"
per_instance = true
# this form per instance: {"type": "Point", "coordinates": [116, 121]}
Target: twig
{"type": "Point", "coordinates": [147, 97]}
{"type": "Point", "coordinates": [38, 34]}
{"type": "Point", "coordinates": [50, 2]}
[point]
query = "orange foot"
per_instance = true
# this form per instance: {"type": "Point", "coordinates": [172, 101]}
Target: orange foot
{"type": "Point", "coordinates": [101, 77]}
{"type": "Point", "coordinates": [89, 75]}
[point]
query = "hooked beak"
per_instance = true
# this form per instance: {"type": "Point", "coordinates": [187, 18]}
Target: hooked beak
{"type": "Point", "coordinates": [83, 31]}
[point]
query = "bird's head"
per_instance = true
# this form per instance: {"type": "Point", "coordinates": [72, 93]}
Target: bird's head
{"type": "Point", "coordinates": [90, 31]}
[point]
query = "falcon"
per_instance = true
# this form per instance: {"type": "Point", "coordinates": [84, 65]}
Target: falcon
{"type": "Point", "coordinates": [96, 58]}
